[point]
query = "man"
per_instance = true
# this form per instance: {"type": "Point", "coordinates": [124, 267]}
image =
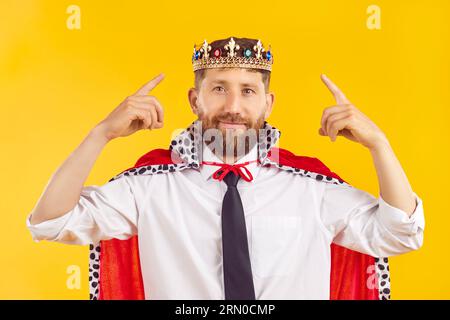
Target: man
{"type": "Point", "coordinates": [224, 214]}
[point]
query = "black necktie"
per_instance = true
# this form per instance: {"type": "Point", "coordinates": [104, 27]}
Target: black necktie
{"type": "Point", "coordinates": [237, 270]}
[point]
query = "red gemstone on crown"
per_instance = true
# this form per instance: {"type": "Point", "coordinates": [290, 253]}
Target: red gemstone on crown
{"type": "Point", "coordinates": [217, 53]}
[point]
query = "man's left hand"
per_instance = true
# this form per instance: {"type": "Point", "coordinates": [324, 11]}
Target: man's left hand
{"type": "Point", "coordinates": [344, 119]}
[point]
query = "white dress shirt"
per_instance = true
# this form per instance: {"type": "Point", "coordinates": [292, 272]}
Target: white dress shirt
{"type": "Point", "coordinates": [291, 221]}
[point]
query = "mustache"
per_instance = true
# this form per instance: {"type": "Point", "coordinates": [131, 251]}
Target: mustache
{"type": "Point", "coordinates": [231, 118]}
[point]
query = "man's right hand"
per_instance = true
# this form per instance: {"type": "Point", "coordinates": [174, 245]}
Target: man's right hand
{"type": "Point", "coordinates": [136, 112]}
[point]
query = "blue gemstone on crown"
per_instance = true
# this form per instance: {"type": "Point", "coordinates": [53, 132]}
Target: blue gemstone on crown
{"type": "Point", "coordinates": [268, 55]}
{"type": "Point", "coordinates": [247, 53]}
{"type": "Point", "coordinates": [197, 55]}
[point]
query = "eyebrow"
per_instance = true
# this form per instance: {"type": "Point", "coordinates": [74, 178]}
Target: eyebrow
{"type": "Point", "coordinates": [244, 84]}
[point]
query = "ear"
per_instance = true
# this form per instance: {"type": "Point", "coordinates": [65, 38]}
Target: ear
{"type": "Point", "coordinates": [270, 99]}
{"type": "Point", "coordinates": [193, 100]}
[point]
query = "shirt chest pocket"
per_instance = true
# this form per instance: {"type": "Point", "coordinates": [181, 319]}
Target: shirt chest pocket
{"type": "Point", "coordinates": [276, 242]}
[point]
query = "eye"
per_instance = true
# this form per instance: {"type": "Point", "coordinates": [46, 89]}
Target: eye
{"type": "Point", "coordinates": [219, 89]}
{"type": "Point", "coordinates": [248, 91]}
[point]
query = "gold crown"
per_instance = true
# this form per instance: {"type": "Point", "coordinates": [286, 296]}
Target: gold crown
{"type": "Point", "coordinates": [233, 56]}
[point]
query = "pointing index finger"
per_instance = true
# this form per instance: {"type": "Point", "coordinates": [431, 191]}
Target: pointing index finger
{"type": "Point", "coordinates": [339, 96]}
{"type": "Point", "coordinates": [149, 86]}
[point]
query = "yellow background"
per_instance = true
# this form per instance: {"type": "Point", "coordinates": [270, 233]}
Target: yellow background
{"type": "Point", "coordinates": [56, 84]}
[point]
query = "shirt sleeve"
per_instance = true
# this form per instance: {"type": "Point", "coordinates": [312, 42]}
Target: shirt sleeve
{"type": "Point", "coordinates": [359, 221]}
{"type": "Point", "coordinates": [102, 213]}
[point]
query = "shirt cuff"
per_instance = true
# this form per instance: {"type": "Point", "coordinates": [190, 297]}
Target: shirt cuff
{"type": "Point", "coordinates": [49, 229]}
{"type": "Point", "coordinates": [398, 220]}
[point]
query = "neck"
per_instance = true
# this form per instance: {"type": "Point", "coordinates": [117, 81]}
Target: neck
{"type": "Point", "coordinates": [229, 154]}
{"type": "Point", "coordinates": [231, 160]}
{"type": "Point", "coordinates": [233, 157]}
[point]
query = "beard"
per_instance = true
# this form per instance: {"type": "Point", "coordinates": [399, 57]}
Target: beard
{"type": "Point", "coordinates": [230, 142]}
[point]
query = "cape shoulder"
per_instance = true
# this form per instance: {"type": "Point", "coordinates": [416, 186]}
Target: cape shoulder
{"type": "Point", "coordinates": [311, 164]}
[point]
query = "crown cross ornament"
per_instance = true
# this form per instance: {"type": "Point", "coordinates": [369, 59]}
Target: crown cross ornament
{"type": "Point", "coordinates": [258, 48]}
{"type": "Point", "coordinates": [231, 46]}
{"type": "Point", "coordinates": [205, 49]}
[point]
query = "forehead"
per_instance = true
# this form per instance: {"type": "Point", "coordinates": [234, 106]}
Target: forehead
{"type": "Point", "coordinates": [232, 75]}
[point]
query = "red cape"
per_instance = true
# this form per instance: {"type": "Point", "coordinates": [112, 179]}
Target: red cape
{"type": "Point", "coordinates": [120, 271]}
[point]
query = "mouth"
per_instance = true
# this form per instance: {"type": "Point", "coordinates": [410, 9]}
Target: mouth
{"type": "Point", "coordinates": [232, 125]}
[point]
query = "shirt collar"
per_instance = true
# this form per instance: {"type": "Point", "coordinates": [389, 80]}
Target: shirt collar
{"type": "Point", "coordinates": [208, 155]}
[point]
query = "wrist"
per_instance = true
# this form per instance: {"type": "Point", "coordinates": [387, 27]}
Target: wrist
{"type": "Point", "coordinates": [99, 134]}
{"type": "Point", "coordinates": [382, 145]}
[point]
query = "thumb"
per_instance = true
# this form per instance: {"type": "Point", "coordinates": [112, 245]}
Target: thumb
{"type": "Point", "coordinates": [321, 132]}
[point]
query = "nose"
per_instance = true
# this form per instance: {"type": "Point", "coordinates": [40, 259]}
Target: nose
{"type": "Point", "coordinates": [232, 103]}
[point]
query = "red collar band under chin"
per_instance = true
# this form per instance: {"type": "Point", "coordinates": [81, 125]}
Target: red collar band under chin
{"type": "Point", "coordinates": [237, 168]}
